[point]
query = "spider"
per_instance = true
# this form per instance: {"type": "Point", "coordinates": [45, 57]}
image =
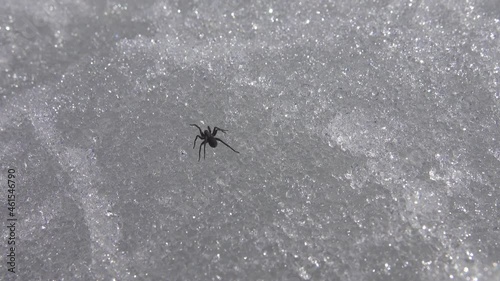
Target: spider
{"type": "Point", "coordinates": [209, 136]}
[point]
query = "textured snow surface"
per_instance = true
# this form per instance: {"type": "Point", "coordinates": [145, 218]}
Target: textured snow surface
{"type": "Point", "coordinates": [368, 130]}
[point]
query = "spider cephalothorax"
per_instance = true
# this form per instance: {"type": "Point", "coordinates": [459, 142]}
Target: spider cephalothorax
{"type": "Point", "coordinates": [208, 136]}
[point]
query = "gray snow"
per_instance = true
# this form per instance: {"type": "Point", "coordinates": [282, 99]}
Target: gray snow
{"type": "Point", "coordinates": [368, 130]}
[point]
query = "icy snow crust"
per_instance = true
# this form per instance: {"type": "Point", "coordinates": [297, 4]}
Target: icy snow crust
{"type": "Point", "coordinates": [368, 131]}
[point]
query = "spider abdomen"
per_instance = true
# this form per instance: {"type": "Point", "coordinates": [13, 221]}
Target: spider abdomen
{"type": "Point", "coordinates": [212, 142]}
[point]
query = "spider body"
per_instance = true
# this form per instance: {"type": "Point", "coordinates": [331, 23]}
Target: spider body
{"type": "Point", "coordinates": [208, 136]}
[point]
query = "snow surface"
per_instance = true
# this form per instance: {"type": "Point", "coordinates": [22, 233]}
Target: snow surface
{"type": "Point", "coordinates": [368, 131]}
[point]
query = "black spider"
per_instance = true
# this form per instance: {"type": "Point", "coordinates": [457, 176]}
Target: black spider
{"type": "Point", "coordinates": [209, 136]}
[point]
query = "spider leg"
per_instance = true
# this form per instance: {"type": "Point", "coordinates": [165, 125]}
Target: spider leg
{"type": "Point", "coordinates": [201, 132]}
{"type": "Point", "coordinates": [226, 145]}
{"type": "Point", "coordinates": [199, 151]}
{"type": "Point", "coordinates": [204, 150]}
{"type": "Point", "coordinates": [218, 129]}
{"type": "Point", "coordinates": [197, 137]}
